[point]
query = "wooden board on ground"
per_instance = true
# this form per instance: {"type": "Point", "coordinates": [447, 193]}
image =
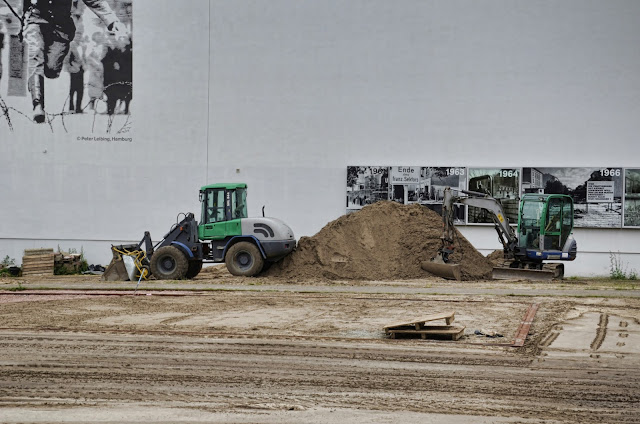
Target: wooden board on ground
{"type": "Point", "coordinates": [429, 331]}
{"type": "Point", "coordinates": [418, 322]}
{"type": "Point", "coordinates": [525, 325]}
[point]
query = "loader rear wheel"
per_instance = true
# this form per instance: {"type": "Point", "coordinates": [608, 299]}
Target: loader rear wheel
{"type": "Point", "coordinates": [244, 259]}
{"type": "Point", "coordinates": [194, 269]}
{"type": "Point", "coordinates": [169, 263]}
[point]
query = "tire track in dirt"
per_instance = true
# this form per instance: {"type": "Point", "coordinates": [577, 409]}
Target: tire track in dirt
{"type": "Point", "coordinates": [195, 372]}
{"type": "Point", "coordinates": [601, 332]}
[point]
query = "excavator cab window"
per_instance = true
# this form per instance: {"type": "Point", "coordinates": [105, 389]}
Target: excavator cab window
{"type": "Point", "coordinates": [553, 226]}
{"type": "Point", "coordinates": [567, 220]}
{"type": "Point", "coordinates": [530, 216]}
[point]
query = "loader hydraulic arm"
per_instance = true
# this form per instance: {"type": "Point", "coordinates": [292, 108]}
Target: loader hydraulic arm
{"type": "Point", "coordinates": [507, 235]}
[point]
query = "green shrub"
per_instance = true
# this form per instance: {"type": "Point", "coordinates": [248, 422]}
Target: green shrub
{"type": "Point", "coordinates": [5, 264]}
{"type": "Point", "coordinates": [618, 268]}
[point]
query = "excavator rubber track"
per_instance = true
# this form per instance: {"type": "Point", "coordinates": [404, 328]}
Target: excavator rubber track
{"type": "Point", "coordinates": [549, 272]}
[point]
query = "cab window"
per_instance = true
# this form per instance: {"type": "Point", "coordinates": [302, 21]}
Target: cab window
{"type": "Point", "coordinates": [553, 225]}
{"type": "Point", "coordinates": [530, 223]}
{"type": "Point", "coordinates": [214, 208]}
{"type": "Point", "coordinates": [567, 219]}
{"type": "Point", "coordinates": [239, 203]}
{"type": "Point", "coordinates": [554, 216]}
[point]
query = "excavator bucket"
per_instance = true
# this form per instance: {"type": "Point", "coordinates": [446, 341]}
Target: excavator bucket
{"type": "Point", "coordinates": [437, 266]}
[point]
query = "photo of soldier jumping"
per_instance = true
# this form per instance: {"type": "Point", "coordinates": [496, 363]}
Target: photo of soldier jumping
{"type": "Point", "coordinates": [49, 30]}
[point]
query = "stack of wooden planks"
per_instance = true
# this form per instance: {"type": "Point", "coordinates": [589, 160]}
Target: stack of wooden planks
{"type": "Point", "coordinates": [418, 327]}
{"type": "Point", "coordinates": [38, 262]}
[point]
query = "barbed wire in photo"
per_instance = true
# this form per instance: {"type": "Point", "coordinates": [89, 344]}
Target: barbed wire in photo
{"type": "Point", "coordinates": [5, 113]}
{"type": "Point", "coordinates": [52, 117]}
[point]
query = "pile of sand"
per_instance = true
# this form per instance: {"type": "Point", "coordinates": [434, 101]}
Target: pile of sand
{"type": "Point", "coordinates": [383, 241]}
{"type": "Point", "coordinates": [496, 257]}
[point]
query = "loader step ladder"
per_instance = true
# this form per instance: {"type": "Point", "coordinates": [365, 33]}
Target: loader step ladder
{"type": "Point", "coordinates": [419, 327]}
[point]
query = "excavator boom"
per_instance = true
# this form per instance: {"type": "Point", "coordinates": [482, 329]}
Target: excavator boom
{"type": "Point", "coordinates": [439, 265]}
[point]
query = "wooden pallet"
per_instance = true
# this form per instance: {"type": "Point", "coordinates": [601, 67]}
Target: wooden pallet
{"type": "Point", "coordinates": [452, 332]}
{"type": "Point", "coordinates": [449, 317]}
{"type": "Point", "coordinates": [38, 262]}
{"type": "Point", "coordinates": [418, 327]}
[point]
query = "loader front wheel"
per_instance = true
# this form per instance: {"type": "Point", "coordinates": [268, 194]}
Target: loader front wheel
{"type": "Point", "coordinates": [169, 263]}
{"type": "Point", "coordinates": [244, 259]}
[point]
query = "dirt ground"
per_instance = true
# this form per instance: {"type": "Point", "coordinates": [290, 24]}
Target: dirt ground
{"type": "Point", "coordinates": [281, 350]}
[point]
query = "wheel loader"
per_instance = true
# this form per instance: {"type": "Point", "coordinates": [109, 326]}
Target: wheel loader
{"type": "Point", "coordinates": [544, 232]}
{"type": "Point", "coordinates": [224, 234]}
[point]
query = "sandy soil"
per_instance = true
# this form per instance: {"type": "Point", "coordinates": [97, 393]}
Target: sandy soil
{"type": "Point", "coordinates": [216, 353]}
{"type": "Point", "coordinates": [385, 240]}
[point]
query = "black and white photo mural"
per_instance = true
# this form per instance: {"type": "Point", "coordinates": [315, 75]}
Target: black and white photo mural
{"type": "Point", "coordinates": [500, 183]}
{"type": "Point", "coordinates": [632, 197]}
{"type": "Point", "coordinates": [366, 185]}
{"type": "Point", "coordinates": [66, 66]}
{"type": "Point", "coordinates": [607, 197]}
{"type": "Point", "coordinates": [404, 184]}
{"type": "Point", "coordinates": [433, 181]}
{"type": "Point", "coordinates": [596, 192]}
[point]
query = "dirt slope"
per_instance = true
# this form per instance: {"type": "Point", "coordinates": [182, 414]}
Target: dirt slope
{"type": "Point", "coordinates": [383, 241]}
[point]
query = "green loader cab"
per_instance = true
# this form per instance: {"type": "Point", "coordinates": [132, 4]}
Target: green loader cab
{"type": "Point", "coordinates": [225, 233]}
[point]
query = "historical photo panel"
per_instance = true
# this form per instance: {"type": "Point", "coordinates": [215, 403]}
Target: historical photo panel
{"type": "Point", "coordinates": [366, 185]}
{"type": "Point", "coordinates": [404, 184]}
{"type": "Point", "coordinates": [632, 197]}
{"type": "Point", "coordinates": [596, 192]}
{"type": "Point", "coordinates": [66, 66]}
{"type": "Point", "coordinates": [500, 183]}
{"type": "Point", "coordinates": [429, 190]}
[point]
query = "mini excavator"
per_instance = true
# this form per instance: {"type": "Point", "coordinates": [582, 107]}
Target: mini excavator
{"type": "Point", "coordinates": [544, 232]}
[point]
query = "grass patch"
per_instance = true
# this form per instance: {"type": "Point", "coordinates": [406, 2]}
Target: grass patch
{"type": "Point", "coordinates": [19, 287]}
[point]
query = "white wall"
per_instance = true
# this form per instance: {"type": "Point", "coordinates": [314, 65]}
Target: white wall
{"type": "Point", "coordinates": [284, 94]}
{"type": "Point", "coordinates": [57, 190]}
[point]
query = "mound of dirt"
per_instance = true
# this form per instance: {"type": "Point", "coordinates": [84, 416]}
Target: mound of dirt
{"type": "Point", "coordinates": [496, 257]}
{"type": "Point", "coordinates": [383, 241]}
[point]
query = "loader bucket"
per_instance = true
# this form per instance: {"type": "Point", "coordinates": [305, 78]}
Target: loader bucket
{"type": "Point", "coordinates": [437, 266]}
{"type": "Point", "coordinates": [116, 270]}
